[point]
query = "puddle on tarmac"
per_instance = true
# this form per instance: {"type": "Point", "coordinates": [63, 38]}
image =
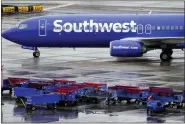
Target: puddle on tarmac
{"type": "Point", "coordinates": [133, 75]}
{"type": "Point", "coordinates": [13, 72]}
{"type": "Point", "coordinates": [53, 76]}
{"type": "Point", "coordinates": [168, 79]}
{"type": "Point", "coordinates": [46, 68]}
{"type": "Point", "coordinates": [93, 72]}
{"type": "Point", "coordinates": [84, 113]}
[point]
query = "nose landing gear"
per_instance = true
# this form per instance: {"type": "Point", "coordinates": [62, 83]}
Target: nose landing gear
{"type": "Point", "coordinates": [36, 53]}
{"type": "Point", "coordinates": [166, 54]}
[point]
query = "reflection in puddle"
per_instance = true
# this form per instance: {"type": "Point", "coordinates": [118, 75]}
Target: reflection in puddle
{"type": "Point", "coordinates": [155, 120]}
{"type": "Point", "coordinates": [43, 115]}
{"type": "Point", "coordinates": [117, 111]}
{"type": "Point", "coordinates": [53, 76]}
{"type": "Point", "coordinates": [13, 72]}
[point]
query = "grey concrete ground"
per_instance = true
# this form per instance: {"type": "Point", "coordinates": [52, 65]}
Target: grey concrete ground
{"type": "Point", "coordinates": [91, 65]}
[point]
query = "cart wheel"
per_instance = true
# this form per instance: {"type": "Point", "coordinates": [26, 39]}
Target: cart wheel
{"type": "Point", "coordinates": [65, 104]}
{"type": "Point", "coordinates": [107, 102]}
{"type": "Point", "coordinates": [171, 105]}
{"type": "Point", "coordinates": [114, 102]}
{"type": "Point", "coordinates": [141, 103]}
{"type": "Point", "coordinates": [33, 112]}
{"type": "Point", "coordinates": [33, 108]}
{"type": "Point", "coordinates": [55, 106]}
{"type": "Point", "coordinates": [137, 102]}
{"type": "Point", "coordinates": [119, 100]}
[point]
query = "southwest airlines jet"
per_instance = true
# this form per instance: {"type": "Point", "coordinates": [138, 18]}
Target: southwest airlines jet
{"type": "Point", "coordinates": [125, 35]}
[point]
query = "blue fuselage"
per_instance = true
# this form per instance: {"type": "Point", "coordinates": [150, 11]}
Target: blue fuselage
{"type": "Point", "coordinates": [93, 30]}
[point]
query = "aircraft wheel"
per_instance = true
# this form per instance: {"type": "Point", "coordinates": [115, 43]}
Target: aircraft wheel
{"type": "Point", "coordinates": [170, 52]}
{"type": "Point", "coordinates": [165, 56]}
{"type": "Point", "coordinates": [36, 54]}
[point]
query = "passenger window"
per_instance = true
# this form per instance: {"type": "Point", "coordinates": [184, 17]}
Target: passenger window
{"type": "Point", "coordinates": [167, 27]}
{"type": "Point", "coordinates": [176, 27]}
{"type": "Point", "coordinates": [172, 27]}
{"type": "Point", "coordinates": [148, 29]}
{"type": "Point", "coordinates": [153, 27]}
{"type": "Point", "coordinates": [163, 27]}
{"type": "Point", "coordinates": [181, 27]}
{"type": "Point", "coordinates": [158, 27]}
{"type": "Point", "coordinates": [139, 29]}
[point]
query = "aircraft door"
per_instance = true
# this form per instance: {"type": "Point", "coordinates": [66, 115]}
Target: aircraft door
{"type": "Point", "coordinates": [139, 29]}
{"type": "Point", "coordinates": [42, 27]}
{"type": "Point", "coordinates": [148, 29]}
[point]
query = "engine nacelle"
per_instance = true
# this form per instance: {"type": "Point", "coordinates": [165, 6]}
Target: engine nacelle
{"type": "Point", "coordinates": [120, 48]}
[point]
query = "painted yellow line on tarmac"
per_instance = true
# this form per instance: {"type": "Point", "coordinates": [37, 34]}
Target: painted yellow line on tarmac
{"type": "Point", "coordinates": [60, 6]}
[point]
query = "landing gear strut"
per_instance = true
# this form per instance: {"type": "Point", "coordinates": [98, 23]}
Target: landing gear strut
{"type": "Point", "coordinates": [36, 53]}
{"type": "Point", "coordinates": [166, 54]}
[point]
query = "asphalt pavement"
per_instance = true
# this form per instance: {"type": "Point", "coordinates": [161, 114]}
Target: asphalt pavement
{"type": "Point", "coordinates": [93, 64]}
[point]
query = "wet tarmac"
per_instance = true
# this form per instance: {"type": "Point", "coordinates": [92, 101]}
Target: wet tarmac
{"type": "Point", "coordinates": [91, 65]}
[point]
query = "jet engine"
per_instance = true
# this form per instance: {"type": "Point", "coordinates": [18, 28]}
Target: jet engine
{"type": "Point", "coordinates": [119, 48]}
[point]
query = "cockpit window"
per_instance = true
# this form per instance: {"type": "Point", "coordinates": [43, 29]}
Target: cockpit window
{"type": "Point", "coordinates": [22, 26]}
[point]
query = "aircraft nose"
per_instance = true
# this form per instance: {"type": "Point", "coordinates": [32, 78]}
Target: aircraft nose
{"type": "Point", "coordinates": [9, 34]}
{"type": "Point", "coordinates": [6, 34]}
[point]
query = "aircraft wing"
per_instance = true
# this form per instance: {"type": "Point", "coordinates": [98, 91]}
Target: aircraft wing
{"type": "Point", "coordinates": [149, 41]}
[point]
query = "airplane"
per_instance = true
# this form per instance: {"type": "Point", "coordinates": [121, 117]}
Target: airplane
{"type": "Point", "coordinates": [126, 35]}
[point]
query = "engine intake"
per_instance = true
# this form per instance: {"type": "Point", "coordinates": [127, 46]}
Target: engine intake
{"type": "Point", "coordinates": [120, 48]}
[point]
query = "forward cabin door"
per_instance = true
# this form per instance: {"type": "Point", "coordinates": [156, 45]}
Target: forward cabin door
{"type": "Point", "coordinates": [42, 27]}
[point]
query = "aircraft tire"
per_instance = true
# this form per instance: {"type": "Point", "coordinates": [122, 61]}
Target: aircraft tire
{"type": "Point", "coordinates": [36, 54]}
{"type": "Point", "coordinates": [171, 52]}
{"type": "Point", "coordinates": [165, 56]}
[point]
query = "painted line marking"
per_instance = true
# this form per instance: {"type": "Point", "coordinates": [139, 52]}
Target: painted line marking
{"type": "Point", "coordinates": [60, 6]}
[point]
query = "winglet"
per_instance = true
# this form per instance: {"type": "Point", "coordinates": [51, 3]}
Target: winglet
{"type": "Point", "coordinates": [150, 12]}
